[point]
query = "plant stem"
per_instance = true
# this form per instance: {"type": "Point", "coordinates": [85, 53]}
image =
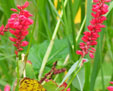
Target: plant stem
{"type": "Point", "coordinates": [18, 75]}
{"type": "Point", "coordinates": [81, 28]}
{"type": "Point", "coordinates": [45, 59]}
{"type": "Point", "coordinates": [73, 77]}
{"type": "Point", "coordinates": [76, 72]}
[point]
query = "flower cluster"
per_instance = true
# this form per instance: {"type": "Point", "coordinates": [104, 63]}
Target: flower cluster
{"type": "Point", "coordinates": [90, 37]}
{"type": "Point", "coordinates": [110, 88]}
{"type": "Point", "coordinates": [18, 25]}
{"type": "Point", "coordinates": [3, 29]}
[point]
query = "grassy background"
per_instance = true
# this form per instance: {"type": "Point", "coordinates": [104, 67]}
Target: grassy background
{"type": "Point", "coordinates": [96, 73]}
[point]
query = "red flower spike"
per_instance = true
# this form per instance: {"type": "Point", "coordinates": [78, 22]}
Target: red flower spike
{"type": "Point", "coordinates": [24, 43]}
{"type": "Point", "coordinates": [25, 5]}
{"type": "Point", "coordinates": [14, 10]}
{"type": "Point", "coordinates": [107, 0]}
{"type": "Point", "coordinates": [110, 88]}
{"type": "Point", "coordinates": [91, 55]}
{"type": "Point", "coordinates": [79, 52]}
{"type": "Point", "coordinates": [18, 25]}
{"type": "Point", "coordinates": [18, 6]}
{"type": "Point", "coordinates": [111, 82]}
{"type": "Point", "coordinates": [95, 1]}
{"type": "Point", "coordinates": [2, 30]}
{"type": "Point", "coordinates": [90, 37]}
{"type": "Point", "coordinates": [16, 52]}
{"type": "Point", "coordinates": [12, 39]}
{"type": "Point", "coordinates": [20, 49]}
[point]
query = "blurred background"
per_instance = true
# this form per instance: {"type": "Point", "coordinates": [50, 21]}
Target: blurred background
{"type": "Point", "coordinates": [95, 74]}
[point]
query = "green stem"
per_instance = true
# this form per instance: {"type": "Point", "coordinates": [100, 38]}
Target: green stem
{"type": "Point", "coordinates": [18, 74]}
{"type": "Point", "coordinates": [76, 72]}
{"type": "Point", "coordinates": [81, 28]}
{"type": "Point", "coordinates": [73, 78]}
{"type": "Point", "coordinates": [45, 59]}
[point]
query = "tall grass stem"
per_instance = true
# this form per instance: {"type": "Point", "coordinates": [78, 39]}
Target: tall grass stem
{"type": "Point", "coordinates": [45, 59]}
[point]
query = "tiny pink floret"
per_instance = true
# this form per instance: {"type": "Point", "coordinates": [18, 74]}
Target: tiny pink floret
{"type": "Point", "coordinates": [111, 82]}
{"type": "Point", "coordinates": [7, 88]}
{"type": "Point", "coordinates": [110, 88]}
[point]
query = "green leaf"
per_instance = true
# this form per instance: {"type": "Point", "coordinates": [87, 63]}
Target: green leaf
{"type": "Point", "coordinates": [87, 65]}
{"type": "Point", "coordinates": [71, 70]}
{"type": "Point", "coordinates": [29, 71]}
{"type": "Point", "coordinates": [107, 75]}
{"type": "Point", "coordinates": [21, 67]}
{"type": "Point", "coordinates": [59, 52]}
{"type": "Point", "coordinates": [52, 86]}
{"type": "Point", "coordinates": [97, 61]}
{"type": "Point", "coordinates": [79, 81]}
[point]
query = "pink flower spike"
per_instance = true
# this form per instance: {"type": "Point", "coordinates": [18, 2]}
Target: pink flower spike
{"type": "Point", "coordinates": [91, 55]}
{"type": "Point", "coordinates": [1, 28]}
{"type": "Point", "coordinates": [7, 88]}
{"type": "Point", "coordinates": [16, 52]}
{"type": "Point", "coordinates": [24, 43]}
{"type": "Point", "coordinates": [107, 0]}
{"type": "Point", "coordinates": [82, 44]}
{"type": "Point", "coordinates": [95, 1]}
{"type": "Point", "coordinates": [18, 6]}
{"type": "Point", "coordinates": [68, 89]}
{"type": "Point", "coordinates": [93, 49]}
{"type": "Point", "coordinates": [13, 10]}
{"type": "Point", "coordinates": [18, 25]}
{"type": "Point", "coordinates": [90, 37]}
{"type": "Point", "coordinates": [20, 49]}
{"type": "Point", "coordinates": [12, 32]}
{"type": "Point", "coordinates": [110, 88]}
{"type": "Point", "coordinates": [79, 52]}
{"type": "Point", "coordinates": [25, 5]}
{"type": "Point", "coordinates": [111, 82]}
{"type": "Point", "coordinates": [84, 60]}
{"type": "Point", "coordinates": [24, 33]}
{"type": "Point", "coordinates": [90, 27]}
{"type": "Point", "coordinates": [12, 39]}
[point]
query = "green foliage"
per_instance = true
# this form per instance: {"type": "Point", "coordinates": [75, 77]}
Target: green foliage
{"type": "Point", "coordinates": [65, 36]}
{"type": "Point", "coordinates": [52, 86]}
{"type": "Point", "coordinates": [59, 52]}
